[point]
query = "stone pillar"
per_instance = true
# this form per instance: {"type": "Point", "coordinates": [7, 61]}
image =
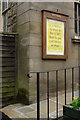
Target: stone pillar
{"type": "Point", "coordinates": [23, 51]}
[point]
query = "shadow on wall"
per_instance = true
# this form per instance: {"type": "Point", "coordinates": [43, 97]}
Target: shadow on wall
{"type": "Point", "coordinates": [23, 96]}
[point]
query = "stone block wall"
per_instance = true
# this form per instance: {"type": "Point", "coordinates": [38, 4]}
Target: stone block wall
{"type": "Point", "coordinates": [35, 56]}
{"type": "Point", "coordinates": [12, 17]}
{"type": "Point", "coordinates": [1, 19]}
{"type": "Point", "coordinates": [29, 29]}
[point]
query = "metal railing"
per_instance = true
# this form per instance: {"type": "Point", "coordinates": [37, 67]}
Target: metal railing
{"type": "Point", "coordinates": [48, 91]}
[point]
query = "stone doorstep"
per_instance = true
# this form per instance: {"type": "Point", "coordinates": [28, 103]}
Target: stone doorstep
{"type": "Point", "coordinates": [22, 111]}
{"type": "Point", "coordinates": [30, 111]}
{"type": "Point", "coordinates": [13, 114]}
{"type": "Point", "coordinates": [13, 106]}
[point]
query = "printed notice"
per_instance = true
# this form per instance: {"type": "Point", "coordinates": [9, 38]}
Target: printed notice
{"type": "Point", "coordinates": [55, 37]}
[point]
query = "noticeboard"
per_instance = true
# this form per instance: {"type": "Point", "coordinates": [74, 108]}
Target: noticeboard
{"type": "Point", "coordinates": [54, 35]}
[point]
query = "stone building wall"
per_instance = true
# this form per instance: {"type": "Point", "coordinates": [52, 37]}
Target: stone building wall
{"type": "Point", "coordinates": [12, 17]}
{"type": "Point", "coordinates": [29, 28]}
{"type": "Point", "coordinates": [26, 20]}
{"type": "Point", "coordinates": [1, 19]}
{"type": "Point", "coordinates": [35, 56]}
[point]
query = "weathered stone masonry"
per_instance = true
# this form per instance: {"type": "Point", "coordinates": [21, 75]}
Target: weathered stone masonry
{"type": "Point", "coordinates": [26, 20]}
{"type": "Point", "coordinates": [12, 17]}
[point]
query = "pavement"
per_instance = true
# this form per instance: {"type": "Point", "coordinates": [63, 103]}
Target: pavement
{"type": "Point", "coordinates": [30, 111]}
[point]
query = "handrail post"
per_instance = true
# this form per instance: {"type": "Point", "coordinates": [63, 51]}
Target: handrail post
{"type": "Point", "coordinates": [72, 83]}
{"type": "Point", "coordinates": [79, 81]}
{"type": "Point", "coordinates": [48, 93]}
{"type": "Point", "coordinates": [38, 99]}
{"type": "Point", "coordinates": [57, 93]}
{"type": "Point", "coordinates": [65, 86]}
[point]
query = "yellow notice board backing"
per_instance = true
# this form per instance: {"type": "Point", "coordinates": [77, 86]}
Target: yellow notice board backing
{"type": "Point", "coordinates": [55, 37]}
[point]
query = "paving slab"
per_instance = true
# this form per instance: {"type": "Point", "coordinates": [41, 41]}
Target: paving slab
{"type": "Point", "coordinates": [34, 115]}
{"type": "Point", "coordinates": [25, 109]}
{"type": "Point", "coordinates": [53, 115]}
{"type": "Point", "coordinates": [34, 106]}
{"type": "Point", "coordinates": [44, 104]}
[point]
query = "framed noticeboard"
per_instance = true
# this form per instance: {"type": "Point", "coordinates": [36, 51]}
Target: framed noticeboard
{"type": "Point", "coordinates": [54, 35]}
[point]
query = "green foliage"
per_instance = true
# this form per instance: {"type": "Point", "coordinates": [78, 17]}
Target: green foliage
{"type": "Point", "coordinates": [75, 103]}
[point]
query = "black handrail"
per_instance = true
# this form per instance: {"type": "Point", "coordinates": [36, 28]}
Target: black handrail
{"type": "Point", "coordinates": [28, 74]}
